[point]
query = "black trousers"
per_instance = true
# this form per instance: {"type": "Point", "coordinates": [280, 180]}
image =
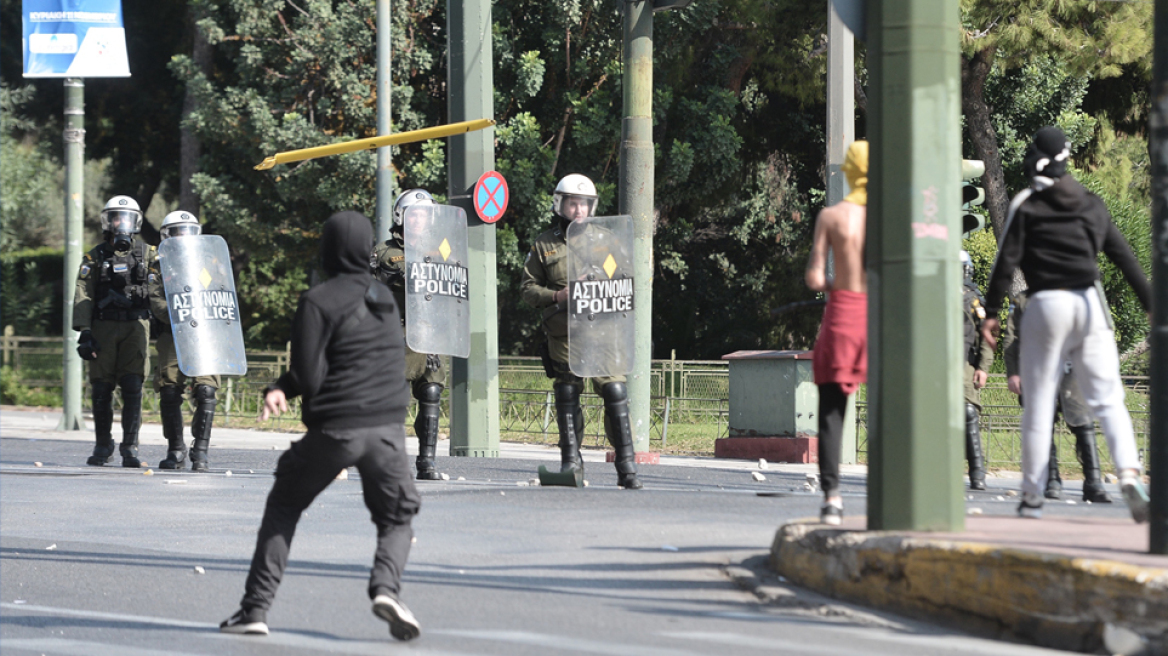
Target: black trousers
{"type": "Point", "coordinates": [305, 470]}
{"type": "Point", "coordinates": [833, 403]}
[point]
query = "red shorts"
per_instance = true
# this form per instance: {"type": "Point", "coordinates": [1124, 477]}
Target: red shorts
{"type": "Point", "coordinates": [841, 350]}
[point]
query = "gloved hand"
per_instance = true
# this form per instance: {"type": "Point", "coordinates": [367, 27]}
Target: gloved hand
{"type": "Point", "coordinates": [136, 292]}
{"type": "Point", "coordinates": [433, 362]}
{"type": "Point", "coordinates": [87, 346]}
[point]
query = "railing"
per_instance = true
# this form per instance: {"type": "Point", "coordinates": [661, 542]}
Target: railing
{"type": "Point", "coordinates": [689, 406]}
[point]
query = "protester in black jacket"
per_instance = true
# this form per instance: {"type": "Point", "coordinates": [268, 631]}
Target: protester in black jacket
{"type": "Point", "coordinates": [348, 364]}
{"type": "Point", "coordinates": [1054, 233]}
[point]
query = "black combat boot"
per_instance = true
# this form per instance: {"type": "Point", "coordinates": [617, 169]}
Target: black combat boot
{"type": "Point", "coordinates": [170, 400]}
{"type": "Point", "coordinates": [570, 419]}
{"type": "Point", "coordinates": [201, 426]}
{"type": "Point", "coordinates": [102, 394]}
{"type": "Point", "coordinates": [620, 434]}
{"type": "Point", "coordinates": [1054, 482]}
{"type": "Point", "coordinates": [429, 397]}
{"type": "Point", "coordinates": [1088, 453]}
{"type": "Point", "coordinates": [973, 452]}
{"type": "Point", "coordinates": [131, 419]}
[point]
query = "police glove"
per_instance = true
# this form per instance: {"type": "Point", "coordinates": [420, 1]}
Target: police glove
{"type": "Point", "coordinates": [87, 346]}
{"type": "Point", "coordinates": [136, 292]}
{"type": "Point", "coordinates": [433, 362]}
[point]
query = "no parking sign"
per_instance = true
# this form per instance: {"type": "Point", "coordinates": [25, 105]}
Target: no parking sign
{"type": "Point", "coordinates": [491, 196]}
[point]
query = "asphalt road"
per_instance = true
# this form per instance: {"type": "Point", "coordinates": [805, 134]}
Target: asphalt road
{"type": "Point", "coordinates": [102, 561]}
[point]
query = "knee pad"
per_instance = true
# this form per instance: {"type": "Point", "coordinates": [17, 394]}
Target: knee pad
{"type": "Point", "coordinates": [429, 393]}
{"type": "Point", "coordinates": [131, 385]}
{"type": "Point", "coordinates": [567, 392]}
{"type": "Point", "coordinates": [614, 392]}
{"type": "Point", "coordinates": [170, 396]}
{"type": "Point", "coordinates": [101, 392]}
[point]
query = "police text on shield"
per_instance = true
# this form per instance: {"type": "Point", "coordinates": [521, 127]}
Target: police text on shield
{"type": "Point", "coordinates": [204, 306]}
{"type": "Point", "coordinates": [601, 296]}
{"type": "Point", "coordinates": [440, 279]}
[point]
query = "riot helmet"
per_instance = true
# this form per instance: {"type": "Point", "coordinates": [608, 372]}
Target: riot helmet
{"type": "Point", "coordinates": [966, 266]}
{"type": "Point", "coordinates": [121, 219]}
{"type": "Point", "coordinates": [180, 223]}
{"type": "Point", "coordinates": [406, 200]}
{"type": "Point", "coordinates": [574, 194]}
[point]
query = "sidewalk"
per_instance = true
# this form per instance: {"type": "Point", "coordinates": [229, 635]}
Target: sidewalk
{"type": "Point", "coordinates": [1077, 583]}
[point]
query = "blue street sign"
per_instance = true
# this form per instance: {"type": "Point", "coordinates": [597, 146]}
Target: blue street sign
{"type": "Point", "coordinates": [74, 38]}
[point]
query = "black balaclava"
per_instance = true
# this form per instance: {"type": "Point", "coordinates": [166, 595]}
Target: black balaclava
{"type": "Point", "coordinates": [1048, 154]}
{"type": "Point", "coordinates": [346, 243]}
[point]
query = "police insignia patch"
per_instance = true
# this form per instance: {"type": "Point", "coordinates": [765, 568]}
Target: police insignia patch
{"type": "Point", "coordinates": [84, 270]}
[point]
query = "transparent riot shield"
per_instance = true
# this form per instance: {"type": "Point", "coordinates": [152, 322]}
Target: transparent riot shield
{"type": "Point", "coordinates": [204, 309]}
{"type": "Point", "coordinates": [437, 305]}
{"type": "Point", "coordinates": [600, 296]}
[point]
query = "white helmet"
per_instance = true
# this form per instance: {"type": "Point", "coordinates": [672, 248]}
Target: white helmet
{"type": "Point", "coordinates": [180, 223]}
{"type": "Point", "coordinates": [408, 199]}
{"type": "Point", "coordinates": [121, 215]}
{"type": "Point", "coordinates": [574, 185]}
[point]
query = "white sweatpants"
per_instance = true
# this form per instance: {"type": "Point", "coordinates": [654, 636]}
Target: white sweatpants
{"type": "Point", "coordinates": [1061, 325]}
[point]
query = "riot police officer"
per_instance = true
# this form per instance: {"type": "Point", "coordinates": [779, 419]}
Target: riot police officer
{"type": "Point", "coordinates": [979, 355]}
{"type": "Point", "coordinates": [544, 285]}
{"type": "Point", "coordinates": [169, 381]}
{"type": "Point", "coordinates": [112, 311]}
{"type": "Point", "coordinates": [425, 372]}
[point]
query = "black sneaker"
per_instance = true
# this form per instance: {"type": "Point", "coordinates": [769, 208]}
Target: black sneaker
{"type": "Point", "coordinates": [1031, 507]}
{"type": "Point", "coordinates": [402, 624]}
{"type": "Point", "coordinates": [249, 621]}
{"type": "Point", "coordinates": [831, 514]}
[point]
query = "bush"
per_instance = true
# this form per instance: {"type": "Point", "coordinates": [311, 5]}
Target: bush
{"type": "Point", "coordinates": [13, 392]}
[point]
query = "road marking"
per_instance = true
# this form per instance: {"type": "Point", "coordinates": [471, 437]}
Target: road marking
{"type": "Point", "coordinates": [278, 638]}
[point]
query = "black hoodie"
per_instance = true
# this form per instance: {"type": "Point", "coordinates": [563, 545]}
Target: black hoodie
{"type": "Point", "coordinates": [1054, 235]}
{"type": "Point", "coordinates": [348, 354]}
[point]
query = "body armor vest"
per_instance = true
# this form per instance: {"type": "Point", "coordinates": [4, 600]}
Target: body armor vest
{"type": "Point", "coordinates": [116, 272]}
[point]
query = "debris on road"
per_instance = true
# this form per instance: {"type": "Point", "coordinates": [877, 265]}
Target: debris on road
{"type": "Point", "coordinates": [757, 476]}
{"type": "Point", "coordinates": [199, 569]}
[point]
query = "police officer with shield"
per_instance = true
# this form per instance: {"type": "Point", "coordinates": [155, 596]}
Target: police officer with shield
{"type": "Point", "coordinates": [112, 311]}
{"type": "Point", "coordinates": [545, 283]}
{"type": "Point", "coordinates": [169, 381]}
{"type": "Point", "coordinates": [424, 371]}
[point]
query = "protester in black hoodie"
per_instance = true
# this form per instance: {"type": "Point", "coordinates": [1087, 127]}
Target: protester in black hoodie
{"type": "Point", "coordinates": [1054, 233]}
{"type": "Point", "coordinates": [348, 364]}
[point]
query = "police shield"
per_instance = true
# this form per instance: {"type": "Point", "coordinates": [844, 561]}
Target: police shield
{"type": "Point", "coordinates": [204, 309]}
{"type": "Point", "coordinates": [600, 296]}
{"type": "Point", "coordinates": [437, 304]}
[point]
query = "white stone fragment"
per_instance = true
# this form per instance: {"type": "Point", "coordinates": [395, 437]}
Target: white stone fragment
{"type": "Point", "coordinates": [1110, 478]}
{"type": "Point", "coordinates": [251, 471]}
{"type": "Point", "coordinates": [762, 463]}
{"type": "Point", "coordinates": [51, 547]}
{"type": "Point", "coordinates": [757, 476]}
{"type": "Point", "coordinates": [148, 472]}
{"type": "Point", "coordinates": [974, 511]}
{"type": "Point", "coordinates": [343, 475]}
{"type": "Point", "coordinates": [522, 483]}
{"type": "Point", "coordinates": [227, 473]}
{"type": "Point", "coordinates": [1122, 641]}
{"type": "Point", "coordinates": [38, 464]}
{"type": "Point", "coordinates": [531, 481]}
{"type": "Point", "coordinates": [444, 476]}
{"type": "Point", "coordinates": [1000, 498]}
{"type": "Point", "coordinates": [462, 478]}
{"type": "Point", "coordinates": [199, 569]}
{"type": "Point", "coordinates": [1070, 502]}
{"type": "Point", "coordinates": [585, 483]}
{"type": "Point", "coordinates": [414, 540]}
{"type": "Point", "coordinates": [19, 601]}
{"type": "Point", "coordinates": [669, 547]}
{"type": "Point", "coordinates": [1011, 493]}
{"type": "Point", "coordinates": [502, 494]}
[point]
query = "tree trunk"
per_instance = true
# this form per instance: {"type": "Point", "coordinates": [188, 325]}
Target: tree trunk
{"type": "Point", "coordinates": [191, 147]}
{"type": "Point", "coordinates": [985, 140]}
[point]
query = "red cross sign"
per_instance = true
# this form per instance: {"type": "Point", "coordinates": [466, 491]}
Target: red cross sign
{"type": "Point", "coordinates": [491, 196]}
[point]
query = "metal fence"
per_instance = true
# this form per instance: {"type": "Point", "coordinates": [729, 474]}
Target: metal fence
{"type": "Point", "coordinates": [689, 402]}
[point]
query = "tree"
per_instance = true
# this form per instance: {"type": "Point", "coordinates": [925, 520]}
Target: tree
{"type": "Point", "coordinates": [1084, 38]}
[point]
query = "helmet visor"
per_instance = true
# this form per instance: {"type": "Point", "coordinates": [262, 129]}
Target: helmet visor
{"type": "Point", "coordinates": [120, 222]}
{"type": "Point", "coordinates": [182, 230]}
{"type": "Point", "coordinates": [574, 207]}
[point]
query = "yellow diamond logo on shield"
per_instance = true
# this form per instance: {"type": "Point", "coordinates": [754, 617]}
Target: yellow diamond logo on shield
{"type": "Point", "coordinates": [609, 265]}
{"type": "Point", "coordinates": [205, 278]}
{"type": "Point", "coordinates": [444, 249]}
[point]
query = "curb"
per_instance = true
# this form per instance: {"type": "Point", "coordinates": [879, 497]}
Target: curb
{"type": "Point", "coordinates": [1079, 604]}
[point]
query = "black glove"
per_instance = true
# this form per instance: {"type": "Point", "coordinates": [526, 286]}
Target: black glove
{"type": "Point", "coordinates": [433, 362]}
{"type": "Point", "coordinates": [136, 292]}
{"type": "Point", "coordinates": [87, 346]}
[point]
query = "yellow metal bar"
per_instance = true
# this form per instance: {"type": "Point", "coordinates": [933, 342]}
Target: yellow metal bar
{"type": "Point", "coordinates": [375, 142]}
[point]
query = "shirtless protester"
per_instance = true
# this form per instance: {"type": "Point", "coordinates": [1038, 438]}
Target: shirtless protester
{"type": "Point", "coordinates": [840, 360]}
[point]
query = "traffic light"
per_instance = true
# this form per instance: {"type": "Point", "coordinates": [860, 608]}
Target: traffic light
{"type": "Point", "coordinates": [971, 194]}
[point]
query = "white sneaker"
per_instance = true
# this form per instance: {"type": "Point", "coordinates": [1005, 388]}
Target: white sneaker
{"type": "Point", "coordinates": [1136, 497]}
{"type": "Point", "coordinates": [245, 622]}
{"type": "Point", "coordinates": [402, 624]}
{"type": "Point", "coordinates": [831, 513]}
{"type": "Point", "coordinates": [1031, 506]}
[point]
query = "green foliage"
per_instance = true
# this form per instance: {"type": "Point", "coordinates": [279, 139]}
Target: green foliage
{"type": "Point", "coordinates": [28, 175]}
{"type": "Point", "coordinates": [13, 392]}
{"type": "Point", "coordinates": [32, 300]}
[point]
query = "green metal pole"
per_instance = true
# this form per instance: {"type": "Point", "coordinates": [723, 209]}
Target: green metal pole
{"type": "Point", "coordinates": [1158, 433]}
{"type": "Point", "coordinates": [384, 120]}
{"type": "Point", "coordinates": [636, 200]}
{"type": "Point", "coordinates": [474, 398]}
{"type": "Point", "coordinates": [914, 279]}
{"type": "Point", "coordinates": [74, 137]}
